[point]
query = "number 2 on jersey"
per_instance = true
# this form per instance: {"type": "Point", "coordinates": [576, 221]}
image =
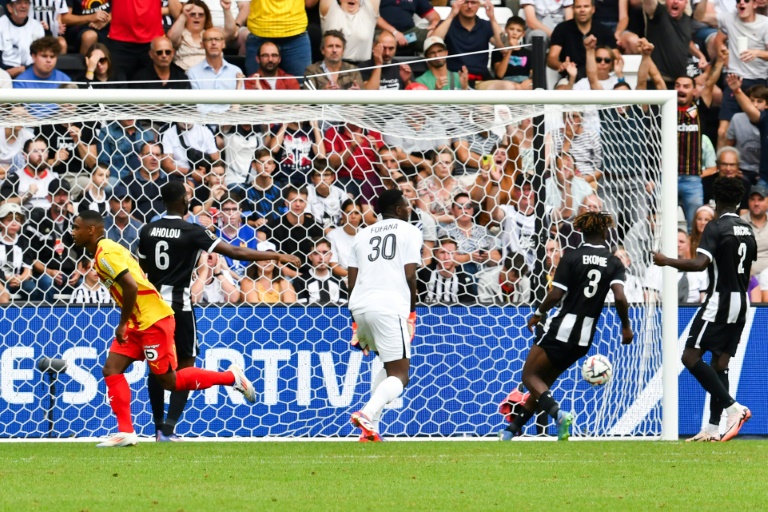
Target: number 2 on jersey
{"type": "Point", "coordinates": [742, 256]}
{"type": "Point", "coordinates": [594, 276]}
{"type": "Point", "coordinates": [385, 247]}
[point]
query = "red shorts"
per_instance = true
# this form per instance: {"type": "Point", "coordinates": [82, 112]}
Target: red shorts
{"type": "Point", "coordinates": [155, 344]}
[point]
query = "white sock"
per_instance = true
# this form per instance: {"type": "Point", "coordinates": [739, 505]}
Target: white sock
{"type": "Point", "coordinates": [712, 430]}
{"type": "Point", "coordinates": [385, 392]}
{"type": "Point", "coordinates": [734, 409]}
{"type": "Point", "coordinates": [380, 377]}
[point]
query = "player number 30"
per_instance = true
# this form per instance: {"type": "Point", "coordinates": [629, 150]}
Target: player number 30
{"type": "Point", "coordinates": [386, 247]}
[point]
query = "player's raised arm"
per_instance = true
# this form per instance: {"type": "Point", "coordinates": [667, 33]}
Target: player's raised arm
{"type": "Point", "coordinates": [622, 308]}
{"type": "Point", "coordinates": [246, 254]}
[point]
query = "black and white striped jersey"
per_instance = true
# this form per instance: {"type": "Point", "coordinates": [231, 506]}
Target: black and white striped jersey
{"type": "Point", "coordinates": [586, 275]}
{"type": "Point", "coordinates": [169, 249]}
{"type": "Point", "coordinates": [730, 245]}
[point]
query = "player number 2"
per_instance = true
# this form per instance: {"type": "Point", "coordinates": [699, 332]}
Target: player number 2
{"type": "Point", "coordinates": [742, 256]}
{"type": "Point", "coordinates": [594, 276]}
{"type": "Point", "coordinates": [161, 257]}
{"type": "Point", "coordinates": [385, 247]}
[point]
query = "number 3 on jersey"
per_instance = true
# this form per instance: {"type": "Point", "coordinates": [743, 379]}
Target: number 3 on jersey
{"type": "Point", "coordinates": [594, 276]}
{"type": "Point", "coordinates": [385, 247]}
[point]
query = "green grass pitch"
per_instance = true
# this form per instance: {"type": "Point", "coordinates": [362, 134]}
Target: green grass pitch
{"type": "Point", "coordinates": [453, 476]}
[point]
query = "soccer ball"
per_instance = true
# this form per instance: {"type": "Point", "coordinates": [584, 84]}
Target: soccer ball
{"type": "Point", "coordinates": [597, 370]}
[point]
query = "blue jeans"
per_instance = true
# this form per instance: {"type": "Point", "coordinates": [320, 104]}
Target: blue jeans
{"type": "Point", "coordinates": [295, 53]}
{"type": "Point", "coordinates": [39, 288]}
{"type": "Point", "coordinates": [690, 195]}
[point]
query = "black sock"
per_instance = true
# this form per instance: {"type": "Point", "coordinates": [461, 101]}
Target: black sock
{"type": "Point", "coordinates": [549, 404]}
{"type": "Point", "coordinates": [156, 400]}
{"type": "Point", "coordinates": [715, 406]}
{"type": "Point", "coordinates": [520, 420]}
{"type": "Point", "coordinates": [710, 381]}
{"type": "Point", "coordinates": [175, 408]}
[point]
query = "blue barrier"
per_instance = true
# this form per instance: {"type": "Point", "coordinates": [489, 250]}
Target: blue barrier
{"type": "Point", "coordinates": [308, 381]}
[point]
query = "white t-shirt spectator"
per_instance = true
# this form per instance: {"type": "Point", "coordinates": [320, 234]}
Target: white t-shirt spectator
{"type": "Point", "coordinates": [15, 41]}
{"type": "Point", "coordinates": [327, 210]}
{"type": "Point", "coordinates": [197, 137]}
{"type": "Point", "coordinates": [341, 246]}
{"type": "Point", "coordinates": [519, 234]}
{"type": "Point", "coordinates": [552, 8]}
{"type": "Point", "coordinates": [757, 39]}
{"type": "Point", "coordinates": [357, 28]}
{"type": "Point", "coordinates": [11, 152]}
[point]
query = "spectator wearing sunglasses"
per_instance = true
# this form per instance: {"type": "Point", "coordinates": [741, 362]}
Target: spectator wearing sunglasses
{"type": "Point", "coordinates": [163, 73]}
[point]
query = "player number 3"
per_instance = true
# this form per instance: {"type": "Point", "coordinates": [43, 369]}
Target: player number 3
{"type": "Point", "coordinates": [594, 276]}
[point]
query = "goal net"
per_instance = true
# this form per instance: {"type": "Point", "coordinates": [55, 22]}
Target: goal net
{"type": "Point", "coordinates": [494, 187]}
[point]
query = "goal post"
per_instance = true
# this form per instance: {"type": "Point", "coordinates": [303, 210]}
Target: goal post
{"type": "Point", "coordinates": [306, 346]}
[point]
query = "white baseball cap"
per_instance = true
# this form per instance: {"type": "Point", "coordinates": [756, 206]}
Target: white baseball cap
{"type": "Point", "coordinates": [8, 208]}
{"type": "Point", "coordinates": [431, 41]}
{"type": "Point", "coordinates": [266, 246]}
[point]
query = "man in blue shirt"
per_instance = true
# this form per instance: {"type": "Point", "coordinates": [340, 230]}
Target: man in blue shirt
{"type": "Point", "coordinates": [464, 32]}
{"type": "Point", "coordinates": [214, 72]}
{"type": "Point", "coordinates": [43, 74]}
{"type": "Point", "coordinates": [119, 145]}
{"type": "Point", "coordinates": [119, 226]}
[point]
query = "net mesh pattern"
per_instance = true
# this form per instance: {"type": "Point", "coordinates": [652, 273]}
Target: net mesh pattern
{"type": "Point", "coordinates": [475, 174]}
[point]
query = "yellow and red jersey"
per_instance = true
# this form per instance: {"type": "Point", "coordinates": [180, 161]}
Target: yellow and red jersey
{"type": "Point", "coordinates": [112, 260]}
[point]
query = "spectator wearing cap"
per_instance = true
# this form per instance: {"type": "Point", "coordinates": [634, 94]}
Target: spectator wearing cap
{"type": "Point", "coordinates": [332, 72]}
{"type": "Point", "coordinates": [567, 39]}
{"type": "Point", "coordinates": [144, 185]}
{"type": "Point", "coordinates": [214, 72]}
{"type": "Point", "coordinates": [465, 32]}
{"type": "Point", "coordinates": [15, 254]}
{"type": "Point", "coordinates": [437, 76]}
{"type": "Point", "coordinates": [19, 29]}
{"type": "Point", "coordinates": [270, 76]}
{"type": "Point", "coordinates": [396, 17]}
{"type": "Point", "coordinates": [758, 219]}
{"type": "Point", "coordinates": [669, 29]}
{"type": "Point", "coordinates": [29, 186]}
{"type": "Point", "coordinates": [43, 74]}
{"type": "Point", "coordinates": [356, 19]}
{"type": "Point", "coordinates": [119, 224]}
{"type": "Point", "coordinates": [263, 282]}
{"type": "Point", "coordinates": [163, 73]}
{"type": "Point", "coordinates": [49, 232]}
{"type": "Point", "coordinates": [750, 61]}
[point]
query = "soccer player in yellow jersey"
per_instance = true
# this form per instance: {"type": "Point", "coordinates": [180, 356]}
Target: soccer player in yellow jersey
{"type": "Point", "coordinates": [145, 330]}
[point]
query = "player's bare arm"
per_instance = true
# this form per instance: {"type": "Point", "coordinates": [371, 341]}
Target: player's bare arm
{"type": "Point", "coordinates": [246, 254]}
{"type": "Point", "coordinates": [700, 262]}
{"type": "Point", "coordinates": [553, 297]}
{"type": "Point", "coordinates": [622, 308]}
{"type": "Point", "coordinates": [130, 292]}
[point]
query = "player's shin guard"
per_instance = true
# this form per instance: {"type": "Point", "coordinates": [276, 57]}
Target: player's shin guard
{"type": "Point", "coordinates": [119, 393]}
{"type": "Point", "coordinates": [176, 407]}
{"type": "Point", "coordinates": [549, 404]}
{"type": "Point", "coordinates": [715, 406]}
{"type": "Point", "coordinates": [191, 379]}
{"type": "Point", "coordinates": [156, 400]}
{"type": "Point", "coordinates": [391, 388]}
{"type": "Point", "coordinates": [710, 381]}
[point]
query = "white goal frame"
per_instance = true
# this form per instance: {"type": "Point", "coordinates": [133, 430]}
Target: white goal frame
{"type": "Point", "coordinates": [667, 100]}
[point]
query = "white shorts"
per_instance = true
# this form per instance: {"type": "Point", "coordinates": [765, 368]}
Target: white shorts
{"type": "Point", "coordinates": [763, 280]}
{"type": "Point", "coordinates": [384, 333]}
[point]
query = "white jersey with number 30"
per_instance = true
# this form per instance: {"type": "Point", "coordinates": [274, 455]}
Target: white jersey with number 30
{"type": "Point", "coordinates": [380, 253]}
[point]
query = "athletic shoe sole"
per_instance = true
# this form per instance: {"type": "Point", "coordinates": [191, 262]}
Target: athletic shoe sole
{"type": "Point", "coordinates": [746, 414]}
{"type": "Point", "coordinates": [359, 420]}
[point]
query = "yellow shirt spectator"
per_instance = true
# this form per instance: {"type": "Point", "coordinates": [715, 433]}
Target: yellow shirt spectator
{"type": "Point", "coordinates": [277, 18]}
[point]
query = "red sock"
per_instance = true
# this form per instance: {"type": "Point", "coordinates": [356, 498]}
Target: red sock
{"type": "Point", "coordinates": [191, 379]}
{"type": "Point", "coordinates": [119, 393]}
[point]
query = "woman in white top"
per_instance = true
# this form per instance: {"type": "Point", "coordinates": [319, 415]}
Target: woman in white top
{"type": "Point", "coordinates": [186, 33]}
{"type": "Point", "coordinates": [356, 19]}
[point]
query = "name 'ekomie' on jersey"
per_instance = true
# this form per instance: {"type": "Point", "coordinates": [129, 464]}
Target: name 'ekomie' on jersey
{"type": "Point", "coordinates": [730, 245]}
{"type": "Point", "coordinates": [586, 275]}
{"type": "Point", "coordinates": [169, 249]}
{"type": "Point", "coordinates": [380, 253]}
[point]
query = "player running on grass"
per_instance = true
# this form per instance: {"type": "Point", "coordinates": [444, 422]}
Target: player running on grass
{"type": "Point", "coordinates": [727, 250]}
{"type": "Point", "coordinates": [145, 330]}
{"type": "Point", "coordinates": [169, 250]}
{"type": "Point", "coordinates": [382, 301]}
{"type": "Point", "coordinates": [583, 279]}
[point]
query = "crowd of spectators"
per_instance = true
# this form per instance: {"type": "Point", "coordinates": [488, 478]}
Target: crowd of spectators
{"type": "Point", "coordinates": [307, 187]}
